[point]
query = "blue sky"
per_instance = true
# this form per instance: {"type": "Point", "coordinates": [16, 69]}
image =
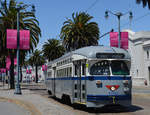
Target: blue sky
{"type": "Point", "coordinates": [52, 13]}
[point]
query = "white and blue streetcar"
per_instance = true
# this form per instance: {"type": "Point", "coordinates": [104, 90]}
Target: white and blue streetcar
{"type": "Point", "coordinates": [94, 76]}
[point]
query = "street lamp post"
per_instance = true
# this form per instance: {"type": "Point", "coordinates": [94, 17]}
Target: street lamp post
{"type": "Point", "coordinates": [17, 88]}
{"type": "Point", "coordinates": [118, 14]}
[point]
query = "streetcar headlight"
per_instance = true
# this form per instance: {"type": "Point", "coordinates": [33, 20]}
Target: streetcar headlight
{"type": "Point", "coordinates": [113, 88]}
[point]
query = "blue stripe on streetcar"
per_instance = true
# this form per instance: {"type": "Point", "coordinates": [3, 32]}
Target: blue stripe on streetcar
{"type": "Point", "coordinates": [92, 78]}
{"type": "Point", "coordinates": [107, 97]}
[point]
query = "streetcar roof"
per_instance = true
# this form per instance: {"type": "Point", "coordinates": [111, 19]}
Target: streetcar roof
{"type": "Point", "coordinates": [91, 51]}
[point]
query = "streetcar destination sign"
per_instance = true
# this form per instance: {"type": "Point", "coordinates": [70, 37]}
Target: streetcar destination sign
{"type": "Point", "coordinates": [110, 55]}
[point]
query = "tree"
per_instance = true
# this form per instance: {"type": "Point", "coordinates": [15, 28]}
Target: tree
{"type": "Point", "coordinates": [144, 2]}
{"type": "Point", "coordinates": [52, 49]}
{"type": "Point", "coordinates": [79, 32]}
{"type": "Point", "coordinates": [27, 21]}
{"type": "Point", "coordinates": [2, 61]}
{"type": "Point", "coordinates": [36, 60]}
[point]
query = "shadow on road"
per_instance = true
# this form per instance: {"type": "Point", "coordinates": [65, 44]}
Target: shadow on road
{"type": "Point", "coordinates": [104, 109]}
{"type": "Point", "coordinates": [112, 109]}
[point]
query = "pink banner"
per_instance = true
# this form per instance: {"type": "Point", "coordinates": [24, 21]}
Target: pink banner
{"type": "Point", "coordinates": [8, 62]}
{"type": "Point", "coordinates": [3, 70]}
{"type": "Point", "coordinates": [25, 39]}
{"type": "Point", "coordinates": [28, 71]}
{"type": "Point", "coordinates": [124, 40]}
{"type": "Point", "coordinates": [44, 67]}
{"type": "Point", "coordinates": [11, 39]}
{"type": "Point", "coordinates": [114, 39]}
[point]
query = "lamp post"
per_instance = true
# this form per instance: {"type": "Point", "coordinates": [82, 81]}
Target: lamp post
{"type": "Point", "coordinates": [17, 88]}
{"type": "Point", "coordinates": [118, 14]}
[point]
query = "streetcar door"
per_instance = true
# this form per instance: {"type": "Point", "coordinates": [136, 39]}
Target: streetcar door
{"type": "Point", "coordinates": [79, 81]}
{"type": "Point", "coordinates": [53, 81]}
{"type": "Point", "coordinates": [79, 84]}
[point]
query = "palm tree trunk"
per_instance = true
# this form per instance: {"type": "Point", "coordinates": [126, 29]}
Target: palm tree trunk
{"type": "Point", "coordinates": [36, 74]}
{"type": "Point", "coordinates": [12, 82]}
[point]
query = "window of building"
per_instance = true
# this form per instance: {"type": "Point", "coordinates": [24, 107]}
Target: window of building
{"type": "Point", "coordinates": [147, 54]}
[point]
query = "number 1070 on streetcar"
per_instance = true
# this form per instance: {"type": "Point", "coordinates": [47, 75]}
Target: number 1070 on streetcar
{"type": "Point", "coordinates": [94, 76]}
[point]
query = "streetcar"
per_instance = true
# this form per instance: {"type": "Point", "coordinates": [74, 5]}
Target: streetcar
{"type": "Point", "coordinates": [94, 76]}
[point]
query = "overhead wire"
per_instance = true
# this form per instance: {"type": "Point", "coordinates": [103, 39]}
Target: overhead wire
{"type": "Point", "coordinates": [133, 21]}
{"type": "Point", "coordinates": [92, 5]}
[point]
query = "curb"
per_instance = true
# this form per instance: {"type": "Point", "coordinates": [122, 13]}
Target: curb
{"type": "Point", "coordinates": [26, 105]}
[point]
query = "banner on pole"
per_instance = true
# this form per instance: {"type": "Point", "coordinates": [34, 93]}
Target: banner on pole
{"type": "Point", "coordinates": [25, 39]}
{"type": "Point", "coordinates": [124, 40]}
{"type": "Point", "coordinates": [44, 67]}
{"type": "Point", "coordinates": [11, 39]}
{"type": "Point", "coordinates": [3, 70]}
{"type": "Point", "coordinates": [28, 71]}
{"type": "Point", "coordinates": [114, 39]}
{"type": "Point", "coordinates": [8, 62]}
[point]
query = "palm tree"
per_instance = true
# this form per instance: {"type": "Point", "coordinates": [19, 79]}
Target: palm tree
{"type": "Point", "coordinates": [36, 60]}
{"type": "Point", "coordinates": [52, 49]}
{"type": "Point", "coordinates": [27, 21]}
{"type": "Point", "coordinates": [79, 32]}
{"type": "Point", "coordinates": [144, 2]}
{"type": "Point", "coordinates": [2, 61]}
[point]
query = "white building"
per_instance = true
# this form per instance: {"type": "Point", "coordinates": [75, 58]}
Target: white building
{"type": "Point", "coordinates": [139, 48]}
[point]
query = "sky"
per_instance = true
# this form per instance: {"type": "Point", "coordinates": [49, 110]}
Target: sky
{"type": "Point", "coordinates": [52, 13]}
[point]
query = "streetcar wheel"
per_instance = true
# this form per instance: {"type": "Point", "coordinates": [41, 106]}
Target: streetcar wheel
{"type": "Point", "coordinates": [49, 92]}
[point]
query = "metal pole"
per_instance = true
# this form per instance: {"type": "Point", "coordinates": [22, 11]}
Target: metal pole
{"type": "Point", "coordinates": [18, 89]}
{"type": "Point", "coordinates": [119, 41]}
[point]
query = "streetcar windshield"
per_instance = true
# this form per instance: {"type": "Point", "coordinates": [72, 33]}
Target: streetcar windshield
{"type": "Point", "coordinates": [119, 68]}
{"type": "Point", "coordinates": [100, 68]}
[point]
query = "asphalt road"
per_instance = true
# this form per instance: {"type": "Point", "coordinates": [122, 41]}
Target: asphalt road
{"type": "Point", "coordinates": [36, 98]}
{"type": "Point", "coordinates": [140, 104]}
{"type": "Point", "coordinates": [7, 108]}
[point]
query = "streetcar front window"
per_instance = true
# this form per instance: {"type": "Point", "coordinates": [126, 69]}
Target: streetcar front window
{"type": "Point", "coordinates": [100, 68]}
{"type": "Point", "coordinates": [119, 68]}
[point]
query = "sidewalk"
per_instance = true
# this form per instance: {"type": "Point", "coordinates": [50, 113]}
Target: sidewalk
{"type": "Point", "coordinates": [16, 104]}
{"type": "Point", "coordinates": [32, 102]}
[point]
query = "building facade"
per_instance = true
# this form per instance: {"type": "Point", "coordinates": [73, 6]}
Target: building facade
{"type": "Point", "coordinates": [139, 49]}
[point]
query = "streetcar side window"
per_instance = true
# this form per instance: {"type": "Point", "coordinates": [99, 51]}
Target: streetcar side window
{"type": "Point", "coordinates": [100, 68]}
{"type": "Point", "coordinates": [75, 70]}
{"type": "Point", "coordinates": [83, 69]}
